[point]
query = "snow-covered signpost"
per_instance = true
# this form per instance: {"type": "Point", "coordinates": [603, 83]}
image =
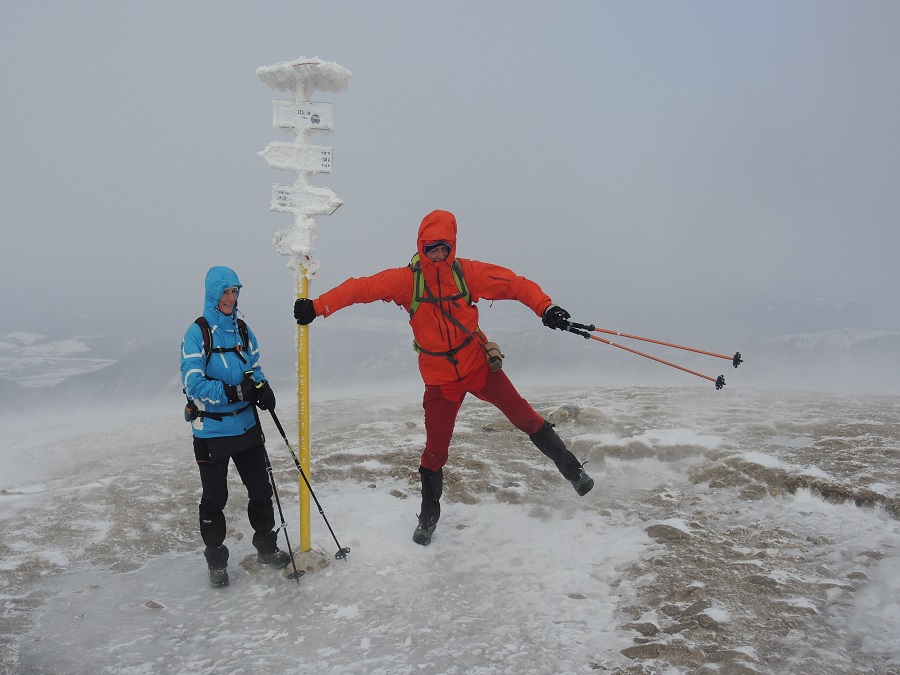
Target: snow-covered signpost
{"type": "Point", "coordinates": [302, 77]}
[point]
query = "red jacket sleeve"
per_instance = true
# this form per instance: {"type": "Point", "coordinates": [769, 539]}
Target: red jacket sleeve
{"type": "Point", "coordinates": [393, 285]}
{"type": "Point", "coordinates": [493, 282]}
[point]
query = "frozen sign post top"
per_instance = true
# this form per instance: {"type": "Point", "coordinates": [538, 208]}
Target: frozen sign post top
{"type": "Point", "coordinates": [302, 77]}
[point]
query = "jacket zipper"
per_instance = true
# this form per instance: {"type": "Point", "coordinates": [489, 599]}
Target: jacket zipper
{"type": "Point", "coordinates": [445, 323]}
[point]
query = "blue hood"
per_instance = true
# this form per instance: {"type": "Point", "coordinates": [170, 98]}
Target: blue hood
{"type": "Point", "coordinates": [217, 280]}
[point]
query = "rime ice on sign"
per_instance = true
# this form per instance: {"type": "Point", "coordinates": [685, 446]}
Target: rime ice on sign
{"type": "Point", "coordinates": [302, 77]}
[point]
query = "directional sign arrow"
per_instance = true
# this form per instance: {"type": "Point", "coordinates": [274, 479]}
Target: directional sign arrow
{"type": "Point", "coordinates": [305, 115]}
{"type": "Point", "coordinates": [298, 157]}
{"type": "Point", "coordinates": [307, 199]}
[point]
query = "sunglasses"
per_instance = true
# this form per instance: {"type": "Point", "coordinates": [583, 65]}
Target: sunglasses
{"type": "Point", "coordinates": [434, 243]}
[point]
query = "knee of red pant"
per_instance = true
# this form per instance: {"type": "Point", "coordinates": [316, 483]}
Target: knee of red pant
{"type": "Point", "coordinates": [535, 426]}
{"type": "Point", "coordinates": [434, 461]}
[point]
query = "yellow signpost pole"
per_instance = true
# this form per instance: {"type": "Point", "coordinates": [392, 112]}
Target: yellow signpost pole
{"type": "Point", "coordinates": [302, 77]}
{"type": "Point", "coordinates": [303, 414]}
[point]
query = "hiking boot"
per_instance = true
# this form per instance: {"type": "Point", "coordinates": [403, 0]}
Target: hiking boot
{"type": "Point", "coordinates": [549, 443]}
{"type": "Point", "coordinates": [277, 559]}
{"type": "Point", "coordinates": [218, 577]}
{"type": "Point", "coordinates": [266, 543]}
{"type": "Point", "coordinates": [217, 561]}
{"type": "Point", "coordinates": [422, 535]}
{"type": "Point", "coordinates": [432, 489]}
{"type": "Point", "coordinates": [583, 483]}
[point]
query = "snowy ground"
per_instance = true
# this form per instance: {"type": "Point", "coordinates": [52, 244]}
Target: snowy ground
{"type": "Point", "coordinates": [741, 531]}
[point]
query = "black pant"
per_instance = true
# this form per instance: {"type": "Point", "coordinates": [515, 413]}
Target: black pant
{"type": "Point", "coordinates": [251, 466]}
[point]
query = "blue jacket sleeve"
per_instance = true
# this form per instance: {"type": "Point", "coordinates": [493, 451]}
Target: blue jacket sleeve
{"type": "Point", "coordinates": [193, 370]}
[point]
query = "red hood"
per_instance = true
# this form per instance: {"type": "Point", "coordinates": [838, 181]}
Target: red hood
{"type": "Point", "coordinates": [437, 225]}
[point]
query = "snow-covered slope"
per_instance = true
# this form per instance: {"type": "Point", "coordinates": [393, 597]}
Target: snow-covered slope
{"type": "Point", "coordinates": [741, 531]}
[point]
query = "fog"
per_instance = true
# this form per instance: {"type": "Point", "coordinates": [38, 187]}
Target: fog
{"type": "Point", "coordinates": [718, 175]}
{"type": "Point", "coordinates": [697, 172]}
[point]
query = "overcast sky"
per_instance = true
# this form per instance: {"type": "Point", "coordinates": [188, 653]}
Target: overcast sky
{"type": "Point", "coordinates": [657, 167]}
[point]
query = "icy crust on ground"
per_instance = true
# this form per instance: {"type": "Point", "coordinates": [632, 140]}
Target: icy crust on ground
{"type": "Point", "coordinates": [738, 532]}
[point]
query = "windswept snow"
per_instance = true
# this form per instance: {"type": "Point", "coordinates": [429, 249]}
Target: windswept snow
{"type": "Point", "coordinates": [710, 548]}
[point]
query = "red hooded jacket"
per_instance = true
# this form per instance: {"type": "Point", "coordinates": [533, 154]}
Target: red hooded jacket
{"type": "Point", "coordinates": [432, 326]}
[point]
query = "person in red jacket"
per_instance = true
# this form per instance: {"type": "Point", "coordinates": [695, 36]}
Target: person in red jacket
{"type": "Point", "coordinates": [452, 353]}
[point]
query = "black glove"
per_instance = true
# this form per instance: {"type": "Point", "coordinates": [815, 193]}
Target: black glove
{"type": "Point", "coordinates": [247, 390]}
{"type": "Point", "coordinates": [304, 311]}
{"type": "Point", "coordinates": [556, 317]}
{"type": "Point", "coordinates": [266, 399]}
{"type": "Point", "coordinates": [232, 393]}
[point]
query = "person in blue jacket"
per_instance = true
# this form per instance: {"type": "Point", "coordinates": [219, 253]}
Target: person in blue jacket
{"type": "Point", "coordinates": [223, 381]}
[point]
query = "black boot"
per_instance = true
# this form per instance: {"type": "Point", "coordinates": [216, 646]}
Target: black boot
{"type": "Point", "coordinates": [583, 484]}
{"type": "Point", "coordinates": [217, 561]}
{"type": "Point", "coordinates": [548, 442]}
{"type": "Point", "coordinates": [267, 551]}
{"type": "Point", "coordinates": [212, 530]}
{"type": "Point", "coordinates": [262, 518]}
{"type": "Point", "coordinates": [432, 489]}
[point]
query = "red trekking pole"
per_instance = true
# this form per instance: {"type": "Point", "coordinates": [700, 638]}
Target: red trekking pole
{"type": "Point", "coordinates": [585, 330]}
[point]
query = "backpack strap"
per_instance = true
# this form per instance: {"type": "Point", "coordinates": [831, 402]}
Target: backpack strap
{"type": "Point", "coordinates": [450, 354]}
{"type": "Point", "coordinates": [221, 416]}
{"type": "Point", "coordinates": [191, 411]}
{"type": "Point", "coordinates": [421, 292]}
{"type": "Point", "coordinates": [207, 339]}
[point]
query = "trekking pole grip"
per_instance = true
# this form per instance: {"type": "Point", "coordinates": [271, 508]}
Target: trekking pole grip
{"type": "Point", "coordinates": [580, 329]}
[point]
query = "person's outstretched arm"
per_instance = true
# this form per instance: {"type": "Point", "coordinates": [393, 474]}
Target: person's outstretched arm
{"type": "Point", "coordinates": [393, 285]}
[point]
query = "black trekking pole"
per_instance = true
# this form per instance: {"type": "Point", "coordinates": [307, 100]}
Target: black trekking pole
{"type": "Point", "coordinates": [342, 552]}
{"type": "Point", "coordinates": [296, 574]}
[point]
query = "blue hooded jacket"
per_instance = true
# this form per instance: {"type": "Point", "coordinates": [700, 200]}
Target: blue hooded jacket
{"type": "Point", "coordinates": [203, 381]}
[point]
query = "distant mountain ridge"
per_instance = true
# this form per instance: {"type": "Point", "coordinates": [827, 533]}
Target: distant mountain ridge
{"type": "Point", "coordinates": [363, 353]}
{"type": "Point", "coordinates": [843, 338]}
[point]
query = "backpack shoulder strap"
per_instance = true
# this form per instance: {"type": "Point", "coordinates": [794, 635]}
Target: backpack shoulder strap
{"type": "Point", "coordinates": [419, 287]}
{"type": "Point", "coordinates": [243, 332]}
{"type": "Point", "coordinates": [207, 338]}
{"type": "Point", "coordinates": [460, 280]}
{"type": "Point", "coordinates": [418, 284]}
{"type": "Point", "coordinates": [204, 330]}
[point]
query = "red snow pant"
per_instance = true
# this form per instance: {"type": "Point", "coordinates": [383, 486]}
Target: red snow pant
{"type": "Point", "coordinates": [443, 401]}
